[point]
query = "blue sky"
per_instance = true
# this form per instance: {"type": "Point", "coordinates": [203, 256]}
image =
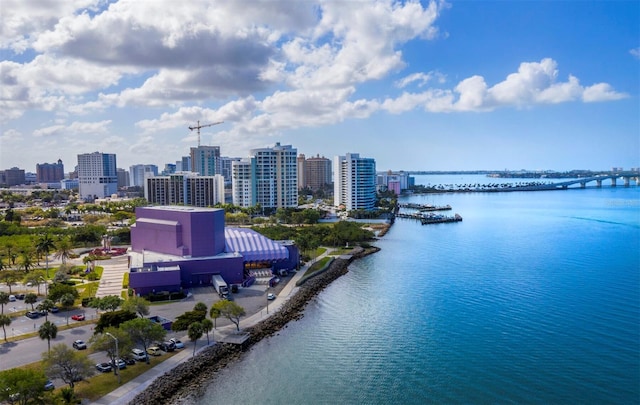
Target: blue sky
{"type": "Point", "coordinates": [458, 85]}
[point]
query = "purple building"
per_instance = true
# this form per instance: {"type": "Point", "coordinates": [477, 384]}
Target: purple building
{"type": "Point", "coordinates": [175, 247]}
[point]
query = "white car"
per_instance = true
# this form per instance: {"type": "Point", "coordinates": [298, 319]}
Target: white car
{"type": "Point", "coordinates": [271, 296]}
{"type": "Point", "coordinates": [12, 298]}
{"type": "Point", "coordinates": [138, 354]}
{"type": "Point", "coordinates": [177, 342]}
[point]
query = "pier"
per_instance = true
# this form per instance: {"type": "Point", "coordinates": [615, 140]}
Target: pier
{"type": "Point", "coordinates": [429, 218]}
{"type": "Point", "coordinates": [425, 207]}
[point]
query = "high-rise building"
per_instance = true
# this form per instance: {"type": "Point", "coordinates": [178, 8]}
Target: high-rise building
{"type": "Point", "coordinates": [185, 188]}
{"type": "Point", "coordinates": [138, 173]}
{"type": "Point", "coordinates": [49, 172]}
{"type": "Point", "coordinates": [97, 175]}
{"type": "Point", "coordinates": [205, 160]}
{"type": "Point", "coordinates": [317, 172]}
{"type": "Point", "coordinates": [276, 176]}
{"type": "Point", "coordinates": [268, 177]}
{"type": "Point", "coordinates": [12, 177]}
{"type": "Point", "coordinates": [396, 181]}
{"type": "Point", "coordinates": [354, 184]}
{"type": "Point", "coordinates": [226, 163]}
{"type": "Point", "coordinates": [123, 178]}
{"type": "Point", "coordinates": [301, 163]}
{"type": "Point", "coordinates": [242, 184]}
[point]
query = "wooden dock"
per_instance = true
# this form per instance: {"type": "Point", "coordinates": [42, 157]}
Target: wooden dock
{"type": "Point", "coordinates": [427, 219]}
{"type": "Point", "coordinates": [425, 207]}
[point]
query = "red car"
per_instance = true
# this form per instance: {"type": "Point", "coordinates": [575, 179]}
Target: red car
{"type": "Point", "coordinates": [79, 317]}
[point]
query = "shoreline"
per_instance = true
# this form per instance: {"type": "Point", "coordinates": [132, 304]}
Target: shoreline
{"type": "Point", "coordinates": [191, 378]}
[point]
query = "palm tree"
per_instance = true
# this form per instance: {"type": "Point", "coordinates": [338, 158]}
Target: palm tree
{"type": "Point", "coordinates": [31, 298]}
{"type": "Point", "coordinates": [48, 331]}
{"type": "Point", "coordinates": [195, 333]}
{"type": "Point", "coordinates": [64, 250]}
{"type": "Point", "coordinates": [5, 320]}
{"type": "Point", "coordinates": [45, 245]}
{"type": "Point", "coordinates": [27, 262]}
{"type": "Point", "coordinates": [4, 300]}
{"type": "Point", "coordinates": [207, 326]}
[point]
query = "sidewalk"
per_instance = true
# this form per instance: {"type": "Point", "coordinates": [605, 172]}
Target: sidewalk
{"type": "Point", "coordinates": [127, 392]}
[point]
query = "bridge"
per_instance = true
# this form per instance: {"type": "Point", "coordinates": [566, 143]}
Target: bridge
{"type": "Point", "coordinates": [626, 177]}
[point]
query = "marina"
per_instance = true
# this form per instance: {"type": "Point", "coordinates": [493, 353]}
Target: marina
{"type": "Point", "coordinates": [425, 207]}
{"type": "Point", "coordinates": [427, 218]}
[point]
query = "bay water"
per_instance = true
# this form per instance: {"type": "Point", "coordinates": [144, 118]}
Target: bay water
{"type": "Point", "coordinates": [533, 298]}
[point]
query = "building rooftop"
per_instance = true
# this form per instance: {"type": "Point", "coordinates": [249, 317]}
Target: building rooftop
{"type": "Point", "coordinates": [180, 208]}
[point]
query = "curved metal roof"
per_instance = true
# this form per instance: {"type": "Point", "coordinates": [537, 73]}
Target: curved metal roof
{"type": "Point", "coordinates": [253, 246]}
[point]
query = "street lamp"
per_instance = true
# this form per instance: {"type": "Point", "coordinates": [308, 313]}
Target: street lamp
{"type": "Point", "coordinates": [117, 356]}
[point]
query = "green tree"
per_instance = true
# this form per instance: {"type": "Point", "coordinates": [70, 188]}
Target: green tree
{"type": "Point", "coordinates": [5, 321]}
{"type": "Point", "coordinates": [44, 246]}
{"type": "Point", "coordinates": [231, 311]}
{"type": "Point", "coordinates": [143, 332]}
{"type": "Point", "coordinates": [183, 321]}
{"type": "Point", "coordinates": [27, 261]}
{"type": "Point", "coordinates": [24, 383]}
{"type": "Point", "coordinates": [4, 300]}
{"type": "Point", "coordinates": [114, 318]}
{"type": "Point", "coordinates": [104, 342]}
{"type": "Point", "coordinates": [200, 306]}
{"type": "Point", "coordinates": [207, 326]}
{"type": "Point", "coordinates": [48, 331]}
{"type": "Point", "coordinates": [10, 278]}
{"type": "Point", "coordinates": [214, 313]}
{"type": "Point", "coordinates": [195, 333]}
{"type": "Point", "coordinates": [46, 305]}
{"type": "Point", "coordinates": [57, 290]}
{"type": "Point", "coordinates": [109, 303]}
{"type": "Point", "coordinates": [36, 278]}
{"type": "Point", "coordinates": [30, 298]}
{"type": "Point", "coordinates": [63, 250]}
{"type": "Point", "coordinates": [67, 364]}
{"type": "Point", "coordinates": [67, 301]}
{"type": "Point", "coordinates": [136, 305]}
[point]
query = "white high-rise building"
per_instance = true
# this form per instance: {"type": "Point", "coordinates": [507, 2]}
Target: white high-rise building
{"type": "Point", "coordinates": [354, 182]}
{"type": "Point", "coordinates": [97, 175]}
{"type": "Point", "coordinates": [269, 177]}
{"type": "Point", "coordinates": [242, 184]}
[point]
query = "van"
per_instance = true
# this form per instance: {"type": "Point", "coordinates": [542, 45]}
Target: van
{"type": "Point", "coordinates": [154, 351]}
{"type": "Point", "coordinates": [138, 354]}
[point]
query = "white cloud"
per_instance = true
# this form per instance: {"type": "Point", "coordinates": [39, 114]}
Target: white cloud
{"type": "Point", "coordinates": [75, 128]}
{"type": "Point", "coordinates": [635, 52]}
{"type": "Point", "coordinates": [601, 92]}
{"type": "Point", "coordinates": [421, 78]}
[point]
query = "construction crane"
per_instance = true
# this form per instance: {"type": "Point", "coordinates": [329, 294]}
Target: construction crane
{"type": "Point", "coordinates": [203, 126]}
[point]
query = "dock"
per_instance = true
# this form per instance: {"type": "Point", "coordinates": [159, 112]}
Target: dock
{"type": "Point", "coordinates": [425, 207]}
{"type": "Point", "coordinates": [430, 218]}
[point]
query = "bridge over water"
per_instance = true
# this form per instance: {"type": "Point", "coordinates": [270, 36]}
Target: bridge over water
{"type": "Point", "coordinates": [628, 178]}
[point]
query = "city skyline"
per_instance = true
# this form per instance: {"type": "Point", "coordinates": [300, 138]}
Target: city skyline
{"type": "Point", "coordinates": [415, 86]}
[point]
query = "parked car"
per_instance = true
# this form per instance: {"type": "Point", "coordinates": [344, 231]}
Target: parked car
{"type": "Point", "coordinates": [154, 351]}
{"type": "Point", "coordinates": [271, 296]}
{"type": "Point", "coordinates": [20, 296]}
{"type": "Point", "coordinates": [48, 386]}
{"type": "Point", "coordinates": [177, 342]}
{"type": "Point", "coordinates": [103, 367]}
{"type": "Point", "coordinates": [79, 345]}
{"type": "Point", "coordinates": [121, 364]}
{"type": "Point", "coordinates": [78, 317]}
{"type": "Point", "coordinates": [167, 346]}
{"type": "Point", "coordinates": [129, 361]}
{"type": "Point", "coordinates": [12, 298]}
{"type": "Point", "coordinates": [138, 354]}
{"type": "Point", "coordinates": [55, 309]}
{"type": "Point", "coordinates": [32, 314]}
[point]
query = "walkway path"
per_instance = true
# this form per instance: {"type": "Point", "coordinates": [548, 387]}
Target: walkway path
{"type": "Point", "coordinates": [112, 276]}
{"type": "Point", "coordinates": [125, 394]}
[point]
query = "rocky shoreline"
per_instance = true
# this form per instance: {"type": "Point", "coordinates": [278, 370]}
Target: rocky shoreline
{"type": "Point", "coordinates": [191, 378]}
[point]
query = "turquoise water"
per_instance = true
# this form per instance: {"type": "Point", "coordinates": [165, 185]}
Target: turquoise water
{"type": "Point", "coordinates": [533, 298]}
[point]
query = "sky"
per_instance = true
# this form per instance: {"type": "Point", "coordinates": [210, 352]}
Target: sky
{"type": "Point", "coordinates": [416, 85]}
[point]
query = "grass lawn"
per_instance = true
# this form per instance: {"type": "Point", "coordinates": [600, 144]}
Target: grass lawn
{"type": "Point", "coordinates": [317, 265]}
{"type": "Point", "coordinates": [103, 383]}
